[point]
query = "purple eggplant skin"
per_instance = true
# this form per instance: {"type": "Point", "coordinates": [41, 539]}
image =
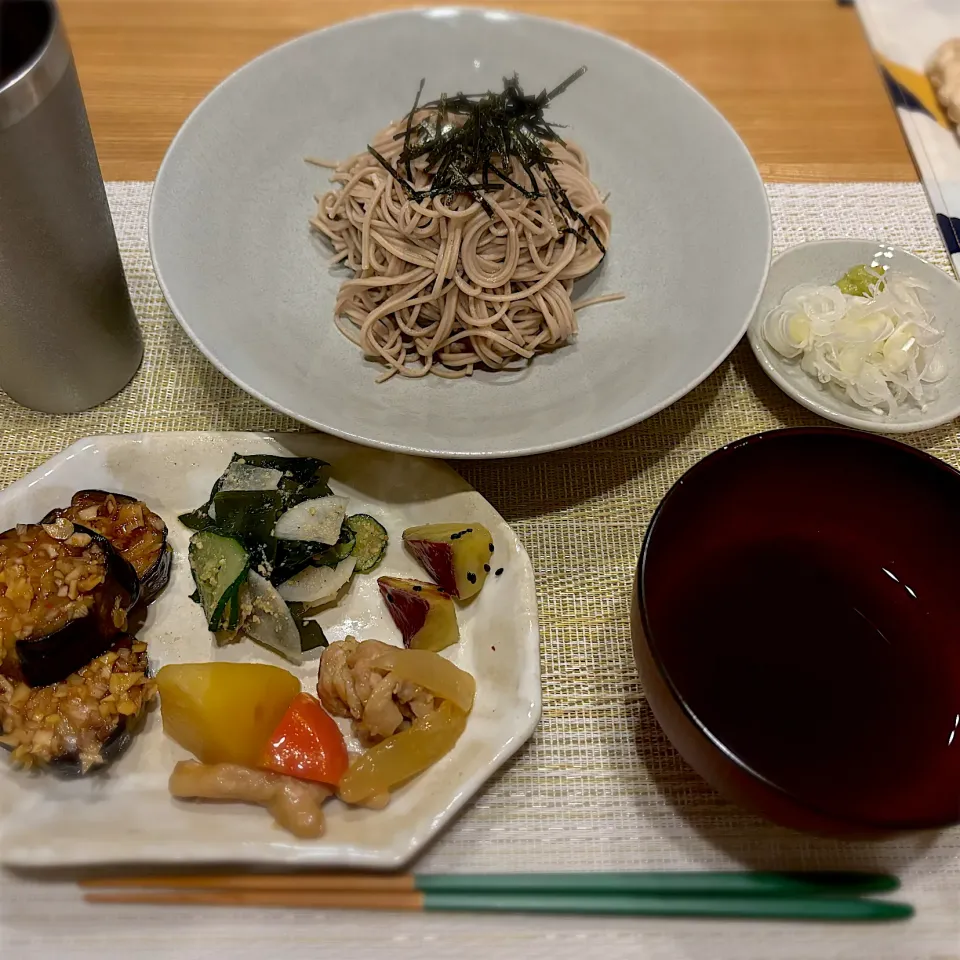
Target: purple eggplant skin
{"type": "Point", "coordinates": [158, 576]}
{"type": "Point", "coordinates": [68, 767]}
{"type": "Point", "coordinates": [52, 658]}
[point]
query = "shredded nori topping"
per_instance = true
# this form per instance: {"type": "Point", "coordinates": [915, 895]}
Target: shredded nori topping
{"type": "Point", "coordinates": [471, 156]}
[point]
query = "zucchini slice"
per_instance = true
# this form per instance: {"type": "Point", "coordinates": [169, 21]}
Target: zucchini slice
{"type": "Point", "coordinates": [219, 566]}
{"type": "Point", "coordinates": [250, 516]}
{"type": "Point", "coordinates": [343, 548]}
{"type": "Point", "coordinates": [371, 541]}
{"type": "Point", "coordinates": [231, 616]}
{"type": "Point", "coordinates": [318, 520]}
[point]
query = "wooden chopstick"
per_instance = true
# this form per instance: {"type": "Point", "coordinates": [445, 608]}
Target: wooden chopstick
{"type": "Point", "coordinates": [735, 883]}
{"type": "Point", "coordinates": [672, 905]}
{"type": "Point", "coordinates": [327, 899]}
{"type": "Point", "coordinates": [313, 882]}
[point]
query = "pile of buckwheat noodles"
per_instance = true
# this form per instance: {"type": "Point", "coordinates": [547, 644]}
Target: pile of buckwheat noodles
{"type": "Point", "coordinates": [442, 287]}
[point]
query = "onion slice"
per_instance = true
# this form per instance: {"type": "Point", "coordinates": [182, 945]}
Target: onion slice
{"type": "Point", "coordinates": [880, 352]}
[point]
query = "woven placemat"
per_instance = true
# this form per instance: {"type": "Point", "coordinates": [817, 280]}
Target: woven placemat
{"type": "Point", "coordinates": [598, 787]}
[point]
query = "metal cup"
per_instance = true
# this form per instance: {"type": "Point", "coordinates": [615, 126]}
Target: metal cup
{"type": "Point", "coordinates": [69, 338]}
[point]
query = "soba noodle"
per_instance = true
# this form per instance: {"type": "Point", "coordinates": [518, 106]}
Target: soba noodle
{"type": "Point", "coordinates": [442, 287]}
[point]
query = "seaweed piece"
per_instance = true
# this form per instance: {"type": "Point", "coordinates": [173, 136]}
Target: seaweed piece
{"type": "Point", "coordinates": [303, 470]}
{"type": "Point", "coordinates": [491, 130]}
{"type": "Point", "coordinates": [311, 633]}
{"type": "Point", "coordinates": [250, 516]}
{"type": "Point", "coordinates": [331, 556]}
{"type": "Point", "coordinates": [304, 478]}
{"type": "Point", "coordinates": [295, 555]}
{"type": "Point", "coordinates": [406, 139]}
{"type": "Point", "coordinates": [292, 557]}
{"type": "Point", "coordinates": [314, 490]}
{"type": "Point", "coordinates": [198, 519]}
{"type": "Point", "coordinates": [201, 519]}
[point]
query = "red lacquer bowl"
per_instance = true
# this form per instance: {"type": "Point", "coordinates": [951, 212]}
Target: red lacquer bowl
{"type": "Point", "coordinates": [796, 624]}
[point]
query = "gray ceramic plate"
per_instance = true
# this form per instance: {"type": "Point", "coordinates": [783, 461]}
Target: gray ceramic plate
{"type": "Point", "coordinates": [231, 246]}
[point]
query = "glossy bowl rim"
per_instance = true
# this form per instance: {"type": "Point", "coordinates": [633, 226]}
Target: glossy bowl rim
{"type": "Point", "coordinates": [875, 439]}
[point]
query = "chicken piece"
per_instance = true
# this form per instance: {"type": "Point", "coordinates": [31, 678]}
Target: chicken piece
{"type": "Point", "coordinates": [296, 805]}
{"type": "Point", "coordinates": [347, 678]}
{"type": "Point", "coordinates": [335, 682]}
{"type": "Point", "coordinates": [418, 701]}
{"type": "Point", "coordinates": [381, 715]}
{"type": "Point", "coordinates": [350, 685]}
{"type": "Point", "coordinates": [944, 74]}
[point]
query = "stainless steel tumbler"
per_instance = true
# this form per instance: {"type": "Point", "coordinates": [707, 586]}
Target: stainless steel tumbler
{"type": "Point", "coordinates": [69, 338]}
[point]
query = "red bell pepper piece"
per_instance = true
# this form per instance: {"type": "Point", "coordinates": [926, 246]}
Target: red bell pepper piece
{"type": "Point", "coordinates": [307, 744]}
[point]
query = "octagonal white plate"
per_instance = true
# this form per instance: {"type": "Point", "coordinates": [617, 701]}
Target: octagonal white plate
{"type": "Point", "coordinates": [125, 814]}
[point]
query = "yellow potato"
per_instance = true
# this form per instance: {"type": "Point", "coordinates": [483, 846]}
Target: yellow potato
{"type": "Point", "coordinates": [224, 712]}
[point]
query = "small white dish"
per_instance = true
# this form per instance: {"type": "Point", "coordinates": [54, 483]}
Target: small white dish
{"type": "Point", "coordinates": [824, 262]}
{"type": "Point", "coordinates": [124, 813]}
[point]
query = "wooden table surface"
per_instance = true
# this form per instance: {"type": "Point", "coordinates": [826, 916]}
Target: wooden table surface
{"type": "Point", "coordinates": [795, 77]}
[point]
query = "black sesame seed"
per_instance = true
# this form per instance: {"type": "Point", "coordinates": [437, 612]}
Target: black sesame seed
{"type": "Point", "coordinates": [472, 577]}
{"type": "Point", "coordinates": [491, 548]}
{"type": "Point", "coordinates": [454, 536]}
{"type": "Point", "coordinates": [498, 572]}
{"type": "Point", "coordinates": [417, 588]}
{"type": "Point", "coordinates": [494, 649]}
{"type": "Point", "coordinates": [486, 568]}
{"type": "Point", "coordinates": [389, 598]}
{"type": "Point", "coordinates": [469, 529]}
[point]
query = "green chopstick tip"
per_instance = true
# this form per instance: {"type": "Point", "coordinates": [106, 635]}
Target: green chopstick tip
{"type": "Point", "coordinates": [700, 883]}
{"type": "Point", "coordinates": [738, 907]}
{"type": "Point", "coordinates": [844, 881]}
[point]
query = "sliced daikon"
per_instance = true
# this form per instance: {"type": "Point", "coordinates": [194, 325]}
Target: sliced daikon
{"type": "Point", "coordinates": [316, 520]}
{"type": "Point", "coordinates": [243, 476]}
{"type": "Point", "coordinates": [270, 621]}
{"type": "Point", "coordinates": [316, 585]}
